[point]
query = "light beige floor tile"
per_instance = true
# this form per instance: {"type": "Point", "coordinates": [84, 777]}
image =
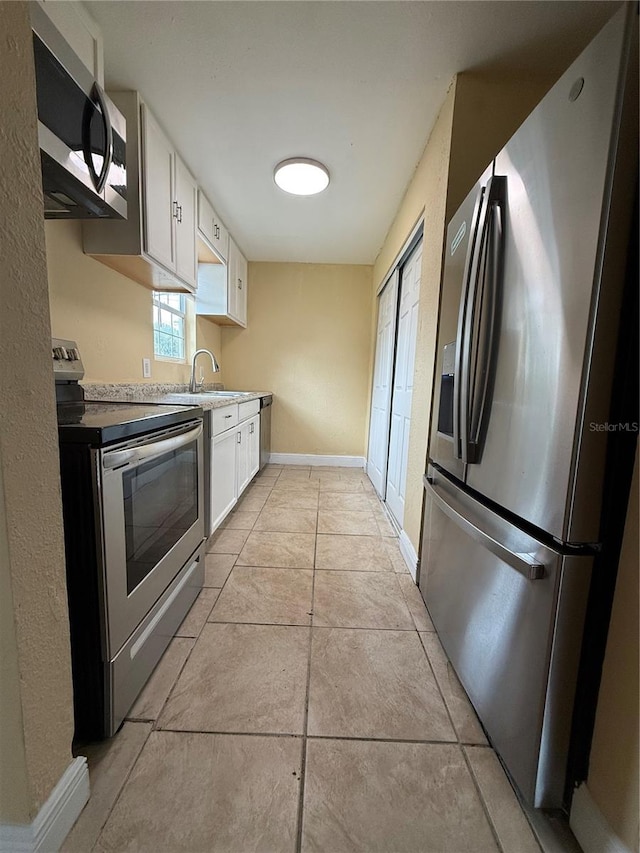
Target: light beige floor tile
{"type": "Point", "coordinates": [391, 798]}
{"type": "Point", "coordinates": [463, 716]}
{"type": "Point", "coordinates": [226, 541]}
{"type": "Point", "coordinates": [509, 822]}
{"type": "Point", "coordinates": [268, 596]}
{"type": "Point", "coordinates": [156, 691]}
{"type": "Point", "coordinates": [294, 474]}
{"type": "Point", "coordinates": [242, 678]}
{"type": "Point", "coordinates": [384, 526]}
{"type": "Point", "coordinates": [251, 503]}
{"type": "Point", "coordinates": [415, 603]}
{"type": "Point", "coordinates": [211, 794]}
{"type": "Point", "coordinates": [217, 568]}
{"type": "Point", "coordinates": [266, 478]}
{"type": "Point", "coordinates": [296, 484]}
{"type": "Point", "coordinates": [279, 550]}
{"type": "Point", "coordinates": [339, 501]}
{"type": "Point", "coordinates": [260, 490]}
{"type": "Point", "coordinates": [374, 684]}
{"type": "Point", "coordinates": [295, 498]}
{"type": "Point", "coordinates": [355, 553]}
{"type": "Point", "coordinates": [331, 485]}
{"type": "Point", "coordinates": [240, 520]}
{"type": "Point", "coordinates": [355, 523]}
{"type": "Point", "coordinates": [110, 762]}
{"type": "Point", "coordinates": [395, 555]}
{"type": "Point", "coordinates": [360, 600]}
{"type": "Point", "coordinates": [194, 621]}
{"type": "Point", "coordinates": [287, 520]}
{"type": "Point", "coordinates": [271, 467]}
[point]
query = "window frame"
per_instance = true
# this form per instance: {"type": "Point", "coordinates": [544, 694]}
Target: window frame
{"type": "Point", "coordinates": [182, 313]}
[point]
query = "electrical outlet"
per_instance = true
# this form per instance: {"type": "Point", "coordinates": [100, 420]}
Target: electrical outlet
{"type": "Point", "coordinates": [146, 368]}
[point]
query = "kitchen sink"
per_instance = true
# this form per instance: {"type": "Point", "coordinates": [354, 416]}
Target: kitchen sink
{"type": "Point", "coordinates": [226, 393]}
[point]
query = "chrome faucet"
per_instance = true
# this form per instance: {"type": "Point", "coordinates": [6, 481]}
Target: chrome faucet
{"type": "Point", "coordinates": [194, 386]}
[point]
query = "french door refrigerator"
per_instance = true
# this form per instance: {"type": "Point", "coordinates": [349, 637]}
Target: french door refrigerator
{"type": "Point", "coordinates": [533, 283]}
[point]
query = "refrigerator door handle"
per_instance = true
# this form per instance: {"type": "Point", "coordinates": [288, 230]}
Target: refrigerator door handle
{"type": "Point", "coordinates": [491, 244]}
{"type": "Point", "coordinates": [462, 338]}
{"type": "Point", "coordinates": [526, 564]}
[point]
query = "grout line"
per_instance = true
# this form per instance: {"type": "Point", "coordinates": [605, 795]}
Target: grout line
{"type": "Point", "coordinates": [485, 808]}
{"type": "Point", "coordinates": [305, 725]}
{"type": "Point", "coordinates": [124, 782]}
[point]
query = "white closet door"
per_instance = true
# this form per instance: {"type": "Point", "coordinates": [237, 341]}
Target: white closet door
{"type": "Point", "coordinates": [381, 396]}
{"type": "Point", "coordinates": [403, 383]}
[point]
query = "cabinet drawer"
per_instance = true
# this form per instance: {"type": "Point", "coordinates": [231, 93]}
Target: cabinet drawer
{"type": "Point", "coordinates": [245, 410]}
{"type": "Point", "coordinates": [224, 418]}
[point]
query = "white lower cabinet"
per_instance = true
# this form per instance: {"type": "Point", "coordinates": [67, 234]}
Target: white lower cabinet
{"type": "Point", "coordinates": [248, 452]}
{"type": "Point", "coordinates": [223, 476]}
{"type": "Point", "coordinates": [235, 456]}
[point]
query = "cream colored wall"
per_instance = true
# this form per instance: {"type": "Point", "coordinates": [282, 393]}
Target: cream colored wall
{"type": "Point", "coordinates": [308, 339]}
{"type": "Point", "coordinates": [108, 315]}
{"type": "Point", "coordinates": [613, 770]}
{"type": "Point", "coordinates": [36, 728]}
{"type": "Point", "coordinates": [478, 116]}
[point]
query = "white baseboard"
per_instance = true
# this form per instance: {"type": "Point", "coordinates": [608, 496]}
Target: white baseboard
{"type": "Point", "coordinates": [53, 822]}
{"type": "Point", "coordinates": [409, 553]}
{"type": "Point", "coordinates": [314, 459]}
{"type": "Point", "coordinates": [591, 827]}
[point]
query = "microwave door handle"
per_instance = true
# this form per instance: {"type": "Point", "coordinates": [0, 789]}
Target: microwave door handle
{"type": "Point", "coordinates": [147, 452]}
{"type": "Point", "coordinates": [526, 564]}
{"type": "Point", "coordinates": [461, 334]}
{"type": "Point", "coordinates": [492, 304]}
{"type": "Point", "coordinates": [97, 98]}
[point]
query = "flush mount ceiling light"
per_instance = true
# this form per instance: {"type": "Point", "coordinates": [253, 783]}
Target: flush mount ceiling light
{"type": "Point", "coordinates": [301, 176]}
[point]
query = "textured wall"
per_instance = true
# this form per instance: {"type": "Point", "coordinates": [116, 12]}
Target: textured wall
{"type": "Point", "coordinates": [479, 114]}
{"type": "Point", "coordinates": [108, 315]}
{"type": "Point", "coordinates": [613, 771]}
{"type": "Point", "coordinates": [427, 192]}
{"type": "Point", "coordinates": [33, 555]}
{"type": "Point", "coordinates": [308, 339]}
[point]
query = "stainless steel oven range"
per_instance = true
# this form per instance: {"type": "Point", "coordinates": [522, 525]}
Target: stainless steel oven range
{"type": "Point", "coordinates": [132, 491]}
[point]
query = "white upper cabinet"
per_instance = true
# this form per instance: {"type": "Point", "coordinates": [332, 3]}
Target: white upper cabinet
{"type": "Point", "coordinates": [222, 289]}
{"type": "Point", "coordinates": [212, 228]}
{"type": "Point", "coordinates": [158, 159]}
{"type": "Point", "coordinates": [186, 193]}
{"type": "Point", "coordinates": [156, 245]}
{"type": "Point", "coordinates": [78, 28]}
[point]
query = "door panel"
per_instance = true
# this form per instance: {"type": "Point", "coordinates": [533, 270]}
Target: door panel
{"type": "Point", "coordinates": [157, 175]}
{"type": "Point", "coordinates": [556, 169]}
{"type": "Point", "coordinates": [460, 241]}
{"type": "Point", "coordinates": [381, 396]}
{"type": "Point", "coordinates": [403, 383]}
{"type": "Point", "coordinates": [514, 642]}
{"type": "Point", "coordinates": [186, 195]}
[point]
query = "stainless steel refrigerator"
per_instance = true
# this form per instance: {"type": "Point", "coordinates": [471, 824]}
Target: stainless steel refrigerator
{"type": "Point", "coordinates": [534, 275]}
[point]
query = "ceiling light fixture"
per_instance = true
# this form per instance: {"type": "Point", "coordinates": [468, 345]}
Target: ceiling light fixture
{"type": "Point", "coordinates": [301, 176]}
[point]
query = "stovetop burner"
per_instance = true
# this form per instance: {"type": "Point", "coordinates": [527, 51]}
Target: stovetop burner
{"type": "Point", "coordinates": [100, 423]}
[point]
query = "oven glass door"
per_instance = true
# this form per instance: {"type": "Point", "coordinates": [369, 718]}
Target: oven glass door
{"type": "Point", "coordinates": [153, 521]}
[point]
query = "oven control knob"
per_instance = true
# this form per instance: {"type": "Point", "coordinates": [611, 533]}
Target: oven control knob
{"type": "Point", "coordinates": [59, 353]}
{"type": "Point", "coordinates": [72, 354]}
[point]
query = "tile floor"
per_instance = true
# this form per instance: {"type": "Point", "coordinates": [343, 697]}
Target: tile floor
{"type": "Point", "coordinates": [305, 703]}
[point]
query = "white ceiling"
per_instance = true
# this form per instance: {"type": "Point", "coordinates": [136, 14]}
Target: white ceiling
{"type": "Point", "coordinates": [239, 86]}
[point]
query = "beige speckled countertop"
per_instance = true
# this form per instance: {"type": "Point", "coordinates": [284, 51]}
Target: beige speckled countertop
{"type": "Point", "coordinates": [153, 392]}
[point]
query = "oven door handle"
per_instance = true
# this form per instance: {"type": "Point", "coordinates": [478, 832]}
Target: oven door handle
{"type": "Point", "coordinates": [146, 452]}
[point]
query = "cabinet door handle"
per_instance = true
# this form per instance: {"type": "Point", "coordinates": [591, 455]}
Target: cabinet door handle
{"type": "Point", "coordinates": [251, 426]}
{"type": "Point", "coordinates": [180, 213]}
{"type": "Point", "coordinates": [239, 284]}
{"type": "Point", "coordinates": [175, 210]}
{"type": "Point", "coordinates": [239, 438]}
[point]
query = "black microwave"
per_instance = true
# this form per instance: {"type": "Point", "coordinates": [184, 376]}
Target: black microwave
{"type": "Point", "coordinates": [82, 134]}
